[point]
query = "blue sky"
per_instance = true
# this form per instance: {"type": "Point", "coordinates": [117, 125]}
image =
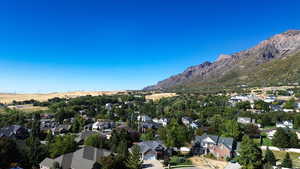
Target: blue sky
{"type": "Point", "coordinates": [62, 45]}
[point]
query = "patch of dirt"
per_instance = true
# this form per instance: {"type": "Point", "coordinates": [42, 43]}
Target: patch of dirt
{"type": "Point", "coordinates": [206, 163]}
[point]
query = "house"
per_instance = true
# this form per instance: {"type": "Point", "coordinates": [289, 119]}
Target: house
{"type": "Point", "coordinates": [270, 99]}
{"type": "Point", "coordinates": [61, 129]}
{"type": "Point", "coordinates": [14, 131]}
{"type": "Point", "coordinates": [152, 150]}
{"type": "Point", "coordinates": [84, 158]}
{"type": "Point", "coordinates": [245, 120]}
{"type": "Point", "coordinates": [243, 98]}
{"type": "Point", "coordinates": [149, 125]}
{"type": "Point", "coordinates": [100, 125]}
{"type": "Point", "coordinates": [187, 121]}
{"type": "Point", "coordinates": [285, 124]}
{"type": "Point", "coordinates": [144, 118]}
{"type": "Point", "coordinates": [108, 106]}
{"type": "Point", "coordinates": [220, 147]}
{"type": "Point", "coordinates": [161, 121]}
{"type": "Point", "coordinates": [275, 107]}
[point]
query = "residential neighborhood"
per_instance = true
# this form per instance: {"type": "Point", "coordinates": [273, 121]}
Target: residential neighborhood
{"type": "Point", "coordinates": [76, 133]}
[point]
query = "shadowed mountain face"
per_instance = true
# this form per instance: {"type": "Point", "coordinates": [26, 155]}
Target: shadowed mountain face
{"type": "Point", "coordinates": [242, 67]}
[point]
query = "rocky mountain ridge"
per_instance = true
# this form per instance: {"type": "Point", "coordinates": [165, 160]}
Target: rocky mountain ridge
{"type": "Point", "coordinates": [235, 66]}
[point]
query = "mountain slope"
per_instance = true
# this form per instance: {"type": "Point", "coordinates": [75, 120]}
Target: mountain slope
{"type": "Point", "coordinates": [267, 62]}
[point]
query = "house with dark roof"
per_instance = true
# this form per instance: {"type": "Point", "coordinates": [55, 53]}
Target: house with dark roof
{"type": "Point", "coordinates": [14, 131]}
{"type": "Point", "coordinates": [220, 147]}
{"type": "Point", "coordinates": [152, 150]}
{"type": "Point", "coordinates": [84, 158]}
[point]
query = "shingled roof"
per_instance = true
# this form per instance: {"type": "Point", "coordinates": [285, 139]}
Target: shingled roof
{"type": "Point", "coordinates": [226, 141]}
{"type": "Point", "coordinates": [84, 158]}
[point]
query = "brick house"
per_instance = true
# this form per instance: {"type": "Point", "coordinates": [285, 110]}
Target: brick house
{"type": "Point", "coordinates": [220, 147]}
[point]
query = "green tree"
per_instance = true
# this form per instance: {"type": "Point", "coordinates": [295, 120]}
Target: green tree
{"type": "Point", "coordinates": [290, 104]}
{"type": "Point", "coordinates": [293, 139]}
{"type": "Point", "coordinates": [134, 160]}
{"type": "Point", "coordinates": [62, 145]}
{"type": "Point", "coordinates": [122, 149]}
{"type": "Point", "coordinates": [174, 134]}
{"type": "Point", "coordinates": [287, 161]}
{"type": "Point", "coordinates": [231, 129]}
{"type": "Point", "coordinates": [280, 138]}
{"type": "Point", "coordinates": [95, 140]}
{"type": "Point", "coordinates": [215, 123]}
{"type": "Point", "coordinates": [77, 125]}
{"type": "Point", "coordinates": [297, 121]}
{"type": "Point", "coordinates": [148, 135]}
{"type": "Point", "coordinates": [250, 154]}
{"type": "Point", "coordinates": [270, 157]}
{"type": "Point", "coordinates": [9, 153]}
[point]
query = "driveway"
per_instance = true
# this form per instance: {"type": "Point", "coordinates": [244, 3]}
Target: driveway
{"type": "Point", "coordinates": [152, 164]}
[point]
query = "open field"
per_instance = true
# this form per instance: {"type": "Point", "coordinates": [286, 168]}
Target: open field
{"type": "Point", "coordinates": [10, 97]}
{"type": "Point", "coordinates": [28, 108]}
{"type": "Point", "coordinates": [158, 96]}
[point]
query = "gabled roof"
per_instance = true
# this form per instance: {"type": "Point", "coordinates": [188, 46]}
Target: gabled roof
{"type": "Point", "coordinates": [83, 158]}
{"type": "Point", "coordinates": [226, 141]}
{"type": "Point", "coordinates": [146, 146]}
{"type": "Point", "coordinates": [9, 131]}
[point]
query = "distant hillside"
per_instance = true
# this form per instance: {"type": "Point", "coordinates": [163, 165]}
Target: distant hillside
{"type": "Point", "coordinates": [273, 61]}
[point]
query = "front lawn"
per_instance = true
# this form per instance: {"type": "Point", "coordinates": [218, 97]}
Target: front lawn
{"type": "Point", "coordinates": [294, 156]}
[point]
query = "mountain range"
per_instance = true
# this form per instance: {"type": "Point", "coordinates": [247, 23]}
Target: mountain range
{"type": "Point", "coordinates": [273, 61]}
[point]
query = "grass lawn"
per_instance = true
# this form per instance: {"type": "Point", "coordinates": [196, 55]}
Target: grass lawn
{"type": "Point", "coordinates": [294, 156]}
{"type": "Point", "coordinates": [266, 141]}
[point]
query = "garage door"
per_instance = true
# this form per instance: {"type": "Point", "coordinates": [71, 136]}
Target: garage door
{"type": "Point", "coordinates": [150, 157]}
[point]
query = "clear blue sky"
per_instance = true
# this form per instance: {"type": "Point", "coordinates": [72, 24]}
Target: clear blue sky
{"type": "Point", "coordinates": [61, 45]}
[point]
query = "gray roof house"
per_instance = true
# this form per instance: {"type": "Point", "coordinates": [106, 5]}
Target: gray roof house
{"type": "Point", "coordinates": [152, 150]}
{"type": "Point", "coordinates": [220, 147]}
{"type": "Point", "coordinates": [84, 158]}
{"type": "Point", "coordinates": [14, 131]}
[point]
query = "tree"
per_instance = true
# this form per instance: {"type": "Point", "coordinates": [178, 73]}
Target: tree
{"type": "Point", "coordinates": [77, 124]}
{"type": "Point", "coordinates": [243, 105]}
{"type": "Point", "coordinates": [122, 149]}
{"type": "Point", "coordinates": [134, 160]}
{"type": "Point", "coordinates": [285, 139]}
{"type": "Point", "coordinates": [174, 134]}
{"type": "Point", "coordinates": [216, 122]}
{"type": "Point", "coordinates": [251, 130]}
{"type": "Point", "coordinates": [290, 104]}
{"type": "Point", "coordinates": [270, 157]}
{"type": "Point", "coordinates": [297, 121]}
{"type": "Point", "coordinates": [261, 105]}
{"type": "Point", "coordinates": [9, 152]}
{"type": "Point", "coordinates": [231, 129]}
{"type": "Point", "coordinates": [293, 139]}
{"type": "Point", "coordinates": [287, 161]}
{"type": "Point", "coordinates": [250, 154]}
{"type": "Point", "coordinates": [280, 138]}
{"type": "Point", "coordinates": [148, 135]}
{"type": "Point", "coordinates": [95, 140]}
{"type": "Point", "coordinates": [62, 145]}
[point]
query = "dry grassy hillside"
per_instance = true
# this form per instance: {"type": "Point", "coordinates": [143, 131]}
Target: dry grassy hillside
{"type": "Point", "coordinates": [9, 97]}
